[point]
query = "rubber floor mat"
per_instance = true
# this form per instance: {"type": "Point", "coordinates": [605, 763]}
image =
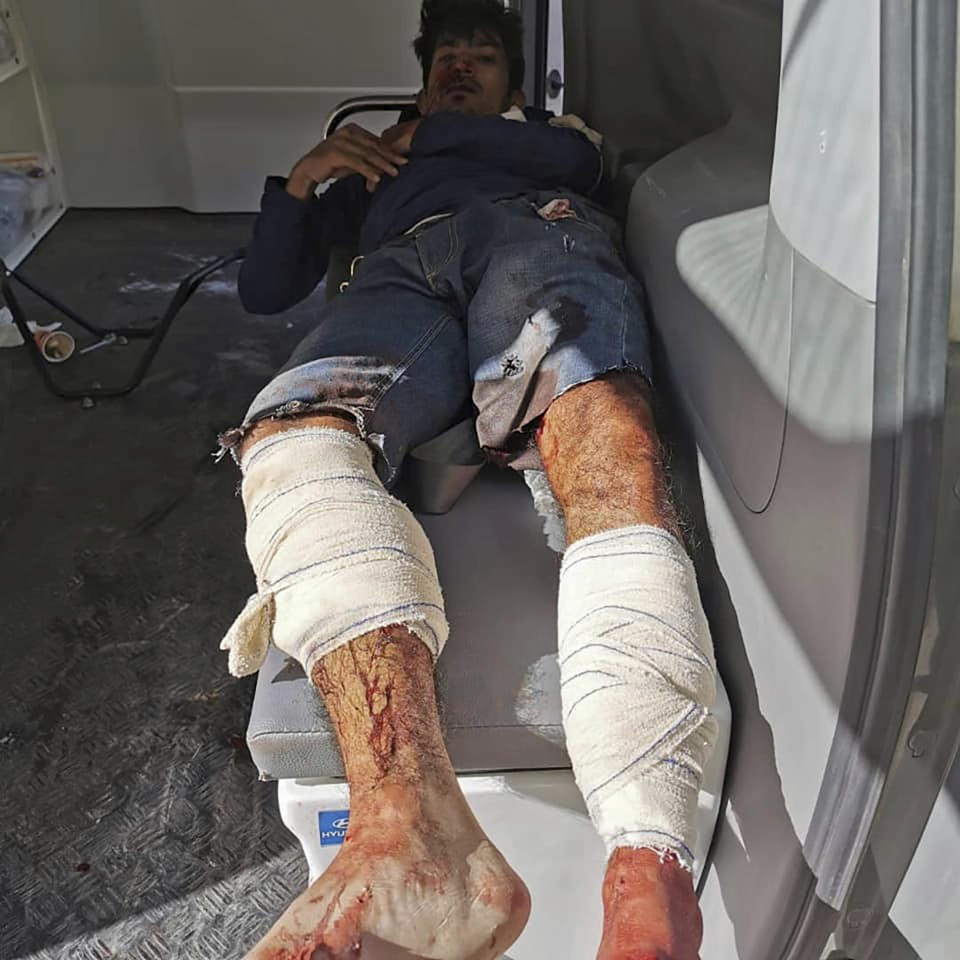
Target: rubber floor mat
{"type": "Point", "coordinates": [132, 824]}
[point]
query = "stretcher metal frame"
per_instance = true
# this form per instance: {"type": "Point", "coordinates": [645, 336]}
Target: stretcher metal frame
{"type": "Point", "coordinates": [107, 335]}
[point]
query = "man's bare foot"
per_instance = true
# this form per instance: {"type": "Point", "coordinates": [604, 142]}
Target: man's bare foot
{"type": "Point", "coordinates": [415, 878]}
{"type": "Point", "coordinates": [650, 909]}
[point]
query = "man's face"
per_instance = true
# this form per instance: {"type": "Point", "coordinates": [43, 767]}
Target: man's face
{"type": "Point", "coordinates": [469, 76]}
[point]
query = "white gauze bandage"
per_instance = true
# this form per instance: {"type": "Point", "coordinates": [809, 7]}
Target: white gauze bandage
{"type": "Point", "coordinates": [637, 683]}
{"type": "Point", "coordinates": [335, 555]}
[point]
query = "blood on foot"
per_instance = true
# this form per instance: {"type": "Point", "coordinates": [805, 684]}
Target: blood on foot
{"type": "Point", "coordinates": [330, 939]}
{"type": "Point", "coordinates": [650, 908]}
{"type": "Point", "coordinates": [344, 937]}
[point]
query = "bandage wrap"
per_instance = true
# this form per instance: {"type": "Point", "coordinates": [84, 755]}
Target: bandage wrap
{"type": "Point", "coordinates": [637, 682]}
{"type": "Point", "coordinates": [335, 555]}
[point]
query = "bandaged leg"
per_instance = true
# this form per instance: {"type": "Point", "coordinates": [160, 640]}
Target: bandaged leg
{"type": "Point", "coordinates": [335, 555]}
{"type": "Point", "coordinates": [637, 683]}
{"type": "Point", "coordinates": [620, 619]}
{"type": "Point", "coordinates": [347, 585]}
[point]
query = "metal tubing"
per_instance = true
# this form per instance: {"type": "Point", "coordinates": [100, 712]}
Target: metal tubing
{"type": "Point", "coordinates": [154, 333]}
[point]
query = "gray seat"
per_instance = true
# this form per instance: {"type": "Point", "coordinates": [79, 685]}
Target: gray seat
{"type": "Point", "coordinates": [497, 680]}
{"type": "Point", "coordinates": [498, 683]}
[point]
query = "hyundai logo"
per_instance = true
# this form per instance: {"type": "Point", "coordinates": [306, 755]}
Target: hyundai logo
{"type": "Point", "coordinates": [333, 827]}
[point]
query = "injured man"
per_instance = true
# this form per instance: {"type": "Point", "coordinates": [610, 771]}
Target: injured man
{"type": "Point", "coordinates": [487, 282]}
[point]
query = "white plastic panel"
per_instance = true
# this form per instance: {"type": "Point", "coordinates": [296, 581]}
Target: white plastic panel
{"type": "Point", "coordinates": [832, 359]}
{"type": "Point", "coordinates": [138, 160]}
{"type": "Point", "coordinates": [955, 299]}
{"type": "Point", "coordinates": [269, 130]}
{"type": "Point", "coordinates": [105, 42]}
{"type": "Point", "coordinates": [555, 58]}
{"type": "Point", "coordinates": [115, 119]}
{"type": "Point", "coordinates": [790, 692]}
{"type": "Point", "coordinates": [361, 44]}
{"type": "Point", "coordinates": [174, 103]}
{"type": "Point", "coordinates": [826, 173]}
{"type": "Point", "coordinates": [721, 943]}
{"type": "Point", "coordinates": [927, 907]}
{"type": "Point", "coordinates": [20, 128]}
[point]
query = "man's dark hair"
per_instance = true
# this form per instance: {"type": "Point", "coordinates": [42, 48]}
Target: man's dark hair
{"type": "Point", "coordinates": [465, 19]}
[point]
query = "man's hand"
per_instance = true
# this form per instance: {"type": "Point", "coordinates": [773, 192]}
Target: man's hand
{"type": "Point", "coordinates": [398, 138]}
{"type": "Point", "coordinates": [350, 150]}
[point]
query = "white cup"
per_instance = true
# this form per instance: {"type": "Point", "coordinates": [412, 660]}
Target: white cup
{"type": "Point", "coordinates": [56, 346]}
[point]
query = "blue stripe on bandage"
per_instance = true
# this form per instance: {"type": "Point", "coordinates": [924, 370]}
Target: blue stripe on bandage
{"type": "Point", "coordinates": [646, 753]}
{"type": "Point", "coordinates": [277, 585]}
{"type": "Point", "coordinates": [640, 614]}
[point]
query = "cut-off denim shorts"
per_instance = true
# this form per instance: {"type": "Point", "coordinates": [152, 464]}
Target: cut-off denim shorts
{"type": "Point", "coordinates": [491, 312]}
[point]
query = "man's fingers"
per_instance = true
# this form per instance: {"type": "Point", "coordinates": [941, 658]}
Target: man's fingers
{"type": "Point", "coordinates": [359, 165]}
{"type": "Point", "coordinates": [365, 136]}
{"type": "Point", "coordinates": [378, 160]}
{"type": "Point", "coordinates": [404, 143]}
{"type": "Point", "coordinates": [346, 170]}
{"type": "Point", "coordinates": [352, 158]}
{"type": "Point", "coordinates": [373, 167]}
{"type": "Point", "coordinates": [341, 172]}
{"type": "Point", "coordinates": [388, 154]}
{"type": "Point", "coordinates": [372, 160]}
{"type": "Point", "coordinates": [364, 139]}
{"type": "Point", "coordinates": [400, 142]}
{"type": "Point", "coordinates": [355, 150]}
{"type": "Point", "coordinates": [400, 137]}
{"type": "Point", "coordinates": [369, 155]}
{"type": "Point", "coordinates": [392, 135]}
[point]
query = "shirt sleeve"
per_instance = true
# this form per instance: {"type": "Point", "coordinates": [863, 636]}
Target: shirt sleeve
{"type": "Point", "coordinates": [549, 155]}
{"type": "Point", "coordinates": [288, 254]}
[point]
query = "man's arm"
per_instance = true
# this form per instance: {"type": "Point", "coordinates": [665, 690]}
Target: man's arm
{"type": "Point", "coordinates": [288, 254]}
{"type": "Point", "coordinates": [295, 230]}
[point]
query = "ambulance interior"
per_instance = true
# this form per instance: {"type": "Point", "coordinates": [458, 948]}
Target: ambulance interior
{"type": "Point", "coordinates": [785, 173]}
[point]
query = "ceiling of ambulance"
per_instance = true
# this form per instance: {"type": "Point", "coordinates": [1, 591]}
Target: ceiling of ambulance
{"type": "Point", "coordinates": [176, 91]}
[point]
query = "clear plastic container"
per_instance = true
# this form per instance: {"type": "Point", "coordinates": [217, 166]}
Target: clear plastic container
{"type": "Point", "coordinates": [24, 199]}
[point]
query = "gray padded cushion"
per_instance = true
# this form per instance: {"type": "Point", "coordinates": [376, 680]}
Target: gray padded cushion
{"type": "Point", "coordinates": [740, 269]}
{"type": "Point", "coordinates": [726, 172]}
{"type": "Point", "coordinates": [654, 76]}
{"type": "Point", "coordinates": [498, 679]}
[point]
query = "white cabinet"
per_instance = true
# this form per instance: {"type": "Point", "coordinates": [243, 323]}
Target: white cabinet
{"type": "Point", "coordinates": [31, 194]}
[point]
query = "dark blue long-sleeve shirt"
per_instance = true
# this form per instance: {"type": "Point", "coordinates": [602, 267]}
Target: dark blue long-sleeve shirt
{"type": "Point", "coordinates": [454, 159]}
